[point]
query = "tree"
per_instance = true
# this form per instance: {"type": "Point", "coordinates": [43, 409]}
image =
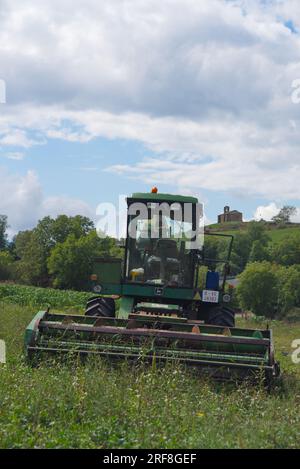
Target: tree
{"type": "Point", "coordinates": [70, 263]}
{"type": "Point", "coordinates": [31, 267]}
{"type": "Point", "coordinates": [33, 248]}
{"type": "Point", "coordinates": [244, 249]}
{"type": "Point", "coordinates": [289, 289]}
{"type": "Point", "coordinates": [285, 214]}
{"type": "Point", "coordinates": [3, 228]}
{"type": "Point", "coordinates": [258, 289]}
{"type": "Point", "coordinates": [6, 261]}
{"type": "Point", "coordinates": [240, 252]}
{"type": "Point", "coordinates": [259, 252]}
{"type": "Point", "coordinates": [257, 232]}
{"type": "Point", "coordinates": [287, 251]}
{"type": "Point", "coordinates": [51, 231]}
{"type": "Point", "coordinates": [63, 226]}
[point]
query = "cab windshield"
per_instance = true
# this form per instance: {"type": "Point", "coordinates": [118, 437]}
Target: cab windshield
{"type": "Point", "coordinates": [160, 242]}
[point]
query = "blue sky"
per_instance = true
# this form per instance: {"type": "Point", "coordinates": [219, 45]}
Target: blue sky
{"type": "Point", "coordinates": [107, 98]}
{"type": "Point", "coordinates": [81, 171]}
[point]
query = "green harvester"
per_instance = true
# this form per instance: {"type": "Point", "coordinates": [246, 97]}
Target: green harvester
{"type": "Point", "coordinates": [172, 297]}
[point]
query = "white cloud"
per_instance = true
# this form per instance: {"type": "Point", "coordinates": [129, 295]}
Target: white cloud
{"type": "Point", "coordinates": [23, 201]}
{"type": "Point", "coordinates": [177, 57]}
{"type": "Point", "coordinates": [60, 205]}
{"type": "Point", "coordinates": [206, 85]}
{"type": "Point", "coordinates": [17, 138]}
{"type": "Point", "coordinates": [14, 155]}
{"type": "Point", "coordinates": [267, 212]}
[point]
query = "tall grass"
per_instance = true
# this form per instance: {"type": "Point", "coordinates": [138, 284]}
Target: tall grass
{"type": "Point", "coordinates": [100, 406]}
{"type": "Point", "coordinates": [41, 297]}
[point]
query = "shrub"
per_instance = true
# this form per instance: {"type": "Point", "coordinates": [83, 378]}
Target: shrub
{"type": "Point", "coordinates": [258, 289]}
{"type": "Point", "coordinates": [5, 265]}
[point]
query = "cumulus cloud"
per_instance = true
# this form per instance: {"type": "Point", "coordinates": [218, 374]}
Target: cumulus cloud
{"type": "Point", "coordinates": [23, 201]}
{"type": "Point", "coordinates": [267, 212]}
{"type": "Point", "coordinates": [205, 85]}
{"type": "Point", "coordinates": [177, 57]}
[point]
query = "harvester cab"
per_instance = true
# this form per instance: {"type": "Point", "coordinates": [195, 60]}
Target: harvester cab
{"type": "Point", "coordinates": [165, 300]}
{"type": "Point", "coordinates": [167, 266]}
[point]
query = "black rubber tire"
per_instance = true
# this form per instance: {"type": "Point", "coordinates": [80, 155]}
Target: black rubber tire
{"type": "Point", "coordinates": [221, 316]}
{"type": "Point", "coordinates": [92, 301]}
{"type": "Point", "coordinates": [103, 307]}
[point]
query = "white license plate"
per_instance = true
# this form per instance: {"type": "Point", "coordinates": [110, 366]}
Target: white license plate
{"type": "Point", "coordinates": [210, 296]}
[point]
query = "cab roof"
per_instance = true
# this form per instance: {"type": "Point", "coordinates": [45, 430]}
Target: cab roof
{"type": "Point", "coordinates": [149, 196]}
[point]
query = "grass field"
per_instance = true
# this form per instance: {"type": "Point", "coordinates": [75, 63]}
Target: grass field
{"type": "Point", "coordinates": [97, 406]}
{"type": "Point", "coordinates": [277, 234]}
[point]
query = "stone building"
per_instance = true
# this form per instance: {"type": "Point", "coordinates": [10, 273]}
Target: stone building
{"type": "Point", "coordinates": [230, 215]}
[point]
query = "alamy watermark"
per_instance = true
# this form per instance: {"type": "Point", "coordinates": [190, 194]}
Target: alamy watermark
{"type": "Point", "coordinates": [2, 352]}
{"type": "Point", "coordinates": [154, 220]}
{"type": "Point", "coordinates": [296, 91]}
{"type": "Point", "coordinates": [2, 92]}
{"type": "Point", "coordinates": [296, 353]}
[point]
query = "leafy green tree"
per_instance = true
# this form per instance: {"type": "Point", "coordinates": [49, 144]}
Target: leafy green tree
{"type": "Point", "coordinates": [31, 267]}
{"type": "Point", "coordinates": [63, 226]}
{"type": "Point", "coordinates": [44, 234]}
{"type": "Point", "coordinates": [6, 261]}
{"type": "Point", "coordinates": [287, 251]}
{"type": "Point", "coordinates": [210, 247]}
{"type": "Point", "coordinates": [21, 241]}
{"type": "Point", "coordinates": [259, 252]}
{"type": "Point", "coordinates": [50, 231]}
{"type": "Point", "coordinates": [3, 228]}
{"type": "Point", "coordinates": [70, 263]}
{"type": "Point", "coordinates": [257, 232]}
{"type": "Point", "coordinates": [250, 245]}
{"type": "Point", "coordinates": [258, 289]}
{"type": "Point", "coordinates": [33, 248]}
{"type": "Point", "coordinates": [240, 252]}
{"type": "Point", "coordinates": [289, 289]}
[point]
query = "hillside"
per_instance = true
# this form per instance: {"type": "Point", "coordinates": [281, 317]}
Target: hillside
{"type": "Point", "coordinates": [275, 232]}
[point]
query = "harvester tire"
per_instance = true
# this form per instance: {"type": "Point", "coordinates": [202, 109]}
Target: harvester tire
{"type": "Point", "coordinates": [103, 307]}
{"type": "Point", "coordinates": [221, 316]}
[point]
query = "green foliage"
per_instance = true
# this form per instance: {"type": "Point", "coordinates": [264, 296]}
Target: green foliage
{"type": "Point", "coordinates": [41, 297]}
{"type": "Point", "coordinates": [70, 263]}
{"type": "Point", "coordinates": [257, 232]}
{"type": "Point", "coordinates": [31, 266]}
{"type": "Point", "coordinates": [102, 406]}
{"type": "Point", "coordinates": [6, 261]}
{"type": "Point", "coordinates": [240, 253]}
{"type": "Point", "coordinates": [40, 252]}
{"type": "Point", "coordinates": [258, 289]}
{"type": "Point", "coordinates": [202, 272]}
{"type": "Point", "coordinates": [293, 315]}
{"type": "Point", "coordinates": [289, 289]}
{"type": "Point", "coordinates": [52, 231]}
{"type": "Point", "coordinates": [287, 250]}
{"type": "Point", "coordinates": [3, 228]}
{"type": "Point", "coordinates": [250, 246]}
{"type": "Point", "coordinates": [268, 289]}
{"type": "Point", "coordinates": [259, 252]}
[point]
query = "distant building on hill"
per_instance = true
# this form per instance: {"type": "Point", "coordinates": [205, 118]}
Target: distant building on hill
{"type": "Point", "coordinates": [230, 215]}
